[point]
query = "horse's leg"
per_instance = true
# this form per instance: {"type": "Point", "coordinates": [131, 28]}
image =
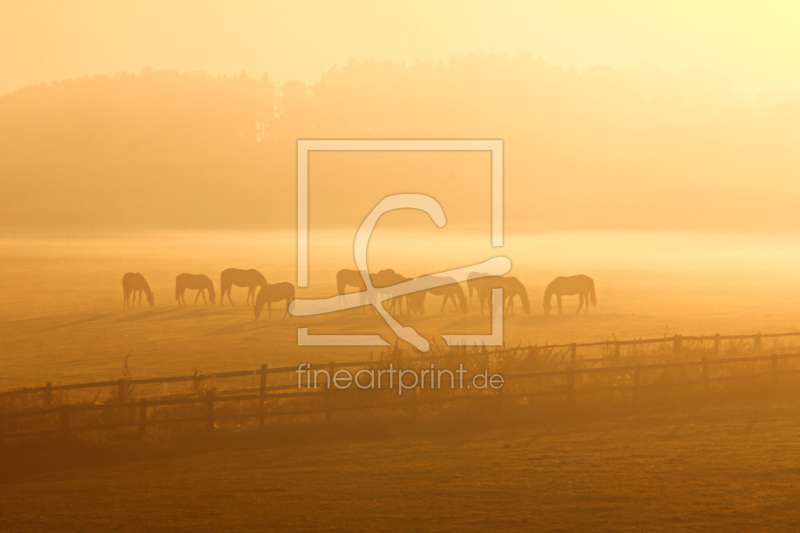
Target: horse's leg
{"type": "Point", "coordinates": [558, 297]}
{"type": "Point", "coordinates": [196, 296]}
{"type": "Point", "coordinates": [203, 292]}
{"type": "Point", "coordinates": [140, 298]}
{"type": "Point", "coordinates": [286, 313]}
{"type": "Point", "coordinates": [269, 310]}
{"type": "Point", "coordinates": [580, 302]}
{"type": "Point", "coordinates": [230, 289]}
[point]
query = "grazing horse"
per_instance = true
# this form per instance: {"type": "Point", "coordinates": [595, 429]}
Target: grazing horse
{"type": "Point", "coordinates": [241, 278]}
{"type": "Point", "coordinates": [451, 290]}
{"type": "Point", "coordinates": [196, 282]}
{"type": "Point", "coordinates": [133, 282]}
{"type": "Point", "coordinates": [511, 286]}
{"type": "Point", "coordinates": [387, 278]}
{"type": "Point", "coordinates": [474, 279]}
{"type": "Point", "coordinates": [581, 285]}
{"type": "Point", "coordinates": [274, 292]}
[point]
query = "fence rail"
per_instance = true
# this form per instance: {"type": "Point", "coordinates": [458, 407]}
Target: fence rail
{"type": "Point", "coordinates": [567, 379]}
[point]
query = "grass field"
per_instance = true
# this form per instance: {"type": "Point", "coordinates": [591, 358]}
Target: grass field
{"type": "Point", "coordinates": [729, 466]}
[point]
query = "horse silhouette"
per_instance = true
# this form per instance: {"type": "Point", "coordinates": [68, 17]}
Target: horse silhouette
{"type": "Point", "coordinates": [133, 282]}
{"type": "Point", "coordinates": [273, 292]}
{"type": "Point", "coordinates": [451, 291]}
{"type": "Point", "coordinates": [581, 285]}
{"type": "Point", "coordinates": [196, 282]}
{"type": "Point", "coordinates": [229, 277]}
{"type": "Point", "coordinates": [511, 286]}
{"type": "Point", "coordinates": [387, 278]}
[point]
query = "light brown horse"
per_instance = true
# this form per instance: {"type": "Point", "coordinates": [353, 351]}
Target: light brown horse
{"type": "Point", "coordinates": [133, 282]}
{"type": "Point", "coordinates": [241, 278]}
{"type": "Point", "coordinates": [273, 292]}
{"type": "Point", "coordinates": [511, 286]}
{"type": "Point", "coordinates": [196, 282]}
{"type": "Point", "coordinates": [581, 285]}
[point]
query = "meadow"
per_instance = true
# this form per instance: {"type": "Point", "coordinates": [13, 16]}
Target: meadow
{"type": "Point", "coordinates": [691, 465]}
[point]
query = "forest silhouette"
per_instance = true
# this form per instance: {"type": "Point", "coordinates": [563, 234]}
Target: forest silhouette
{"type": "Point", "coordinates": [594, 149]}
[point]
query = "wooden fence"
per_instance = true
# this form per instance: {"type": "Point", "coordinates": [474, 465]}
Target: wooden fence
{"type": "Point", "coordinates": [629, 379]}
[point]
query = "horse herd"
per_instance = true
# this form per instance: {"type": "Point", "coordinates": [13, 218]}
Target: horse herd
{"type": "Point", "coordinates": [134, 283]}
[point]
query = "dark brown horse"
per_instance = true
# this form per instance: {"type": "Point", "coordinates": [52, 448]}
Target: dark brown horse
{"type": "Point", "coordinates": [581, 285]}
{"type": "Point", "coordinates": [512, 287]}
{"type": "Point", "coordinates": [251, 279]}
{"type": "Point", "coordinates": [451, 291]}
{"type": "Point", "coordinates": [196, 282]}
{"type": "Point", "coordinates": [274, 292]}
{"type": "Point", "coordinates": [134, 282]}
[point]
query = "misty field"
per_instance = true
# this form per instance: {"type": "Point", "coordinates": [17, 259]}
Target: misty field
{"type": "Point", "coordinates": [62, 317]}
{"type": "Point", "coordinates": [695, 465]}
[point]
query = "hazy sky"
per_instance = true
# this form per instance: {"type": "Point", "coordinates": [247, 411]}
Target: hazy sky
{"type": "Point", "coordinates": [754, 43]}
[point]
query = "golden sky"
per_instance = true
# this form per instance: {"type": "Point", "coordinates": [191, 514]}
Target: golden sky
{"type": "Point", "coordinates": [753, 43]}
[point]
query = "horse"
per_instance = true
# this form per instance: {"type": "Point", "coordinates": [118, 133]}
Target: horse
{"type": "Point", "coordinates": [473, 281]}
{"type": "Point", "coordinates": [451, 290]}
{"type": "Point", "coordinates": [273, 292]}
{"type": "Point", "coordinates": [581, 285]}
{"type": "Point", "coordinates": [241, 278]}
{"type": "Point", "coordinates": [133, 282]}
{"type": "Point", "coordinates": [196, 282]}
{"type": "Point", "coordinates": [387, 278]}
{"type": "Point", "coordinates": [511, 286]}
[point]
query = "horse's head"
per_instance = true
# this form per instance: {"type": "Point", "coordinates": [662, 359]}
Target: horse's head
{"type": "Point", "coordinates": [546, 308]}
{"type": "Point", "coordinates": [151, 300]}
{"type": "Point", "coordinates": [212, 297]}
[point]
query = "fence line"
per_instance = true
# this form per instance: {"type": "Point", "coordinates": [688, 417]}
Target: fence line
{"type": "Point", "coordinates": [264, 394]}
{"type": "Point", "coordinates": [676, 340]}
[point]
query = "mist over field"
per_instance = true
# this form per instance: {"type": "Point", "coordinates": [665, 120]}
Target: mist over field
{"type": "Point", "coordinates": [616, 349]}
{"type": "Point", "coordinates": [594, 149]}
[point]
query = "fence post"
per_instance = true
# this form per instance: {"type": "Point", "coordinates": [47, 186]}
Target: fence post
{"type": "Point", "coordinates": [571, 386]}
{"type": "Point", "coordinates": [142, 416]}
{"type": "Point", "coordinates": [676, 344]}
{"type": "Point", "coordinates": [210, 411]}
{"type": "Point", "coordinates": [48, 395]}
{"type": "Point", "coordinates": [2, 434]}
{"type": "Point", "coordinates": [757, 342]}
{"type": "Point", "coordinates": [716, 344]}
{"type": "Point", "coordinates": [573, 353]}
{"type": "Point", "coordinates": [635, 385]}
{"type": "Point", "coordinates": [706, 376]}
{"type": "Point", "coordinates": [616, 349]}
{"type": "Point", "coordinates": [65, 421]}
{"type": "Point", "coordinates": [262, 394]}
{"type": "Point", "coordinates": [121, 389]}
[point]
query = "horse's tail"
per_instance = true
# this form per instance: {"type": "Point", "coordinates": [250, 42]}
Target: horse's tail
{"type": "Point", "coordinates": [593, 296]}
